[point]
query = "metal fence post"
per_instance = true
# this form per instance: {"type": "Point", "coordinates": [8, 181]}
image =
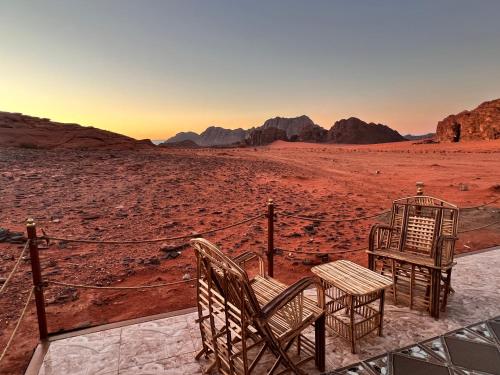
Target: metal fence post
{"type": "Point", "coordinates": [270, 237]}
{"type": "Point", "coordinates": [37, 279]}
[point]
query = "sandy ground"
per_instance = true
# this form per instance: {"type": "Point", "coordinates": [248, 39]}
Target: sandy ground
{"type": "Point", "coordinates": [160, 193]}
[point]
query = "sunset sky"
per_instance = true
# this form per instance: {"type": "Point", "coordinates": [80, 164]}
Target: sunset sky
{"type": "Point", "coordinates": [149, 69]}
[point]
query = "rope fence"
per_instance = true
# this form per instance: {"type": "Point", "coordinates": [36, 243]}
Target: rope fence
{"type": "Point", "coordinates": [18, 324]}
{"type": "Point", "coordinates": [482, 205]}
{"type": "Point", "coordinates": [4, 286]}
{"type": "Point", "coordinates": [83, 286]}
{"type": "Point", "coordinates": [165, 239]}
{"type": "Point", "coordinates": [481, 227]}
{"type": "Point", "coordinates": [333, 220]}
{"type": "Point", "coordinates": [31, 244]}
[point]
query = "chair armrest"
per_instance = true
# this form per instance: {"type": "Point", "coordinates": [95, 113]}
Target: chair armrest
{"type": "Point", "coordinates": [377, 233]}
{"type": "Point", "coordinates": [288, 295]}
{"type": "Point", "coordinates": [444, 249]}
{"type": "Point", "coordinates": [247, 256]}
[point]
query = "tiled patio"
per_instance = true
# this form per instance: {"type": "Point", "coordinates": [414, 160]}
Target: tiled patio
{"type": "Point", "coordinates": [168, 345]}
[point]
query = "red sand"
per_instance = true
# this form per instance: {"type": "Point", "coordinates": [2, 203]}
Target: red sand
{"type": "Point", "coordinates": [167, 192]}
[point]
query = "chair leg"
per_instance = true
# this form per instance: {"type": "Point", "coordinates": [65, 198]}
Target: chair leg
{"type": "Point", "coordinates": [283, 356]}
{"type": "Point", "coordinates": [319, 337]}
{"type": "Point", "coordinates": [447, 289]}
{"type": "Point", "coordinates": [394, 282]}
{"type": "Point", "coordinates": [381, 313]}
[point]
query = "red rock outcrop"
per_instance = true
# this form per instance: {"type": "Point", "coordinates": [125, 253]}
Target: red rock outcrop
{"type": "Point", "coordinates": [355, 131]}
{"type": "Point", "coordinates": [482, 123]}
{"type": "Point", "coordinates": [312, 133]}
{"type": "Point", "coordinates": [260, 136]}
{"type": "Point", "coordinates": [18, 130]}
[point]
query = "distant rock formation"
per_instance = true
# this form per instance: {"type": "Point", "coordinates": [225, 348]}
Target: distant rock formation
{"type": "Point", "coordinates": [212, 136]}
{"type": "Point", "coordinates": [183, 136]}
{"type": "Point", "coordinates": [356, 131]}
{"type": "Point", "coordinates": [292, 126]}
{"type": "Point", "coordinates": [18, 130]}
{"type": "Point", "coordinates": [217, 136]}
{"type": "Point", "coordinates": [311, 133]}
{"type": "Point", "coordinates": [265, 136]}
{"type": "Point", "coordinates": [295, 129]}
{"type": "Point", "coordinates": [482, 123]}
{"type": "Point", "coordinates": [186, 143]}
{"type": "Point", "coordinates": [414, 137]}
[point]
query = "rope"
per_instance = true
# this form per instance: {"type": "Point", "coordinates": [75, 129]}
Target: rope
{"type": "Point", "coordinates": [334, 220]}
{"type": "Point", "coordinates": [4, 352]}
{"type": "Point", "coordinates": [369, 216]}
{"type": "Point", "coordinates": [155, 239]}
{"type": "Point", "coordinates": [325, 252]}
{"type": "Point", "coordinates": [83, 286]}
{"type": "Point", "coordinates": [14, 268]}
{"type": "Point", "coordinates": [482, 205]}
{"type": "Point", "coordinates": [484, 226]}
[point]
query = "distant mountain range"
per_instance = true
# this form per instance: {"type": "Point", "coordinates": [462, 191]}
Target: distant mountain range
{"type": "Point", "coordinates": [412, 137]}
{"type": "Point", "coordinates": [302, 129]}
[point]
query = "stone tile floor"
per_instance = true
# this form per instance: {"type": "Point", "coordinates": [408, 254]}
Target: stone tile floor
{"type": "Point", "coordinates": [168, 346]}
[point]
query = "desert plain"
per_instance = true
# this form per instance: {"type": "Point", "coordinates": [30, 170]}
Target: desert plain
{"type": "Point", "coordinates": [158, 193]}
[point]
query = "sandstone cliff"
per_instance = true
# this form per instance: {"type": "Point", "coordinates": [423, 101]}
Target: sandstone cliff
{"type": "Point", "coordinates": [482, 123]}
{"type": "Point", "coordinates": [356, 131]}
{"type": "Point", "coordinates": [265, 136]}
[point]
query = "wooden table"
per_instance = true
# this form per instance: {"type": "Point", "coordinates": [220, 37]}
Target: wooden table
{"type": "Point", "coordinates": [349, 296]}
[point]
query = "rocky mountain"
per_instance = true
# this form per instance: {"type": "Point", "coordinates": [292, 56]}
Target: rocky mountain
{"type": "Point", "coordinates": [212, 136]}
{"type": "Point", "coordinates": [217, 136]}
{"type": "Point", "coordinates": [301, 129]}
{"type": "Point", "coordinates": [264, 136]}
{"type": "Point", "coordinates": [482, 123]}
{"type": "Point", "coordinates": [295, 129]}
{"type": "Point", "coordinates": [18, 130]}
{"type": "Point", "coordinates": [292, 126]}
{"type": "Point", "coordinates": [311, 133]}
{"type": "Point", "coordinates": [356, 131]}
{"type": "Point", "coordinates": [183, 136]}
{"type": "Point", "coordinates": [418, 137]}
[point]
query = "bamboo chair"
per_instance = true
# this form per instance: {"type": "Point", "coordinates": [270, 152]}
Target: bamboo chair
{"type": "Point", "coordinates": [417, 250]}
{"type": "Point", "coordinates": [241, 319]}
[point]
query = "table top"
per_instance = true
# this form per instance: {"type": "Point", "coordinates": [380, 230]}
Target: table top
{"type": "Point", "coordinates": [351, 277]}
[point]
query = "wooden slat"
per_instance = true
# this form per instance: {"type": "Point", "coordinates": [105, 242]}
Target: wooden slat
{"type": "Point", "coordinates": [351, 277]}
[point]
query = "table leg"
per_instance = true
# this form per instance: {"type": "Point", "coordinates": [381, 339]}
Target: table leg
{"type": "Point", "coordinates": [352, 327]}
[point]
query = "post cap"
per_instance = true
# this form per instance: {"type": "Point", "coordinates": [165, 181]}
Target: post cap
{"type": "Point", "coordinates": [30, 222]}
{"type": "Point", "coordinates": [270, 201]}
{"type": "Point", "coordinates": [420, 187]}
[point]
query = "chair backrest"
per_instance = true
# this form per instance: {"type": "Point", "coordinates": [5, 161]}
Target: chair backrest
{"type": "Point", "coordinates": [419, 221]}
{"type": "Point", "coordinates": [228, 304]}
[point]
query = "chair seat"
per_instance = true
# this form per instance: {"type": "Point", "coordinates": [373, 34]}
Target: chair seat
{"type": "Point", "coordinates": [283, 323]}
{"type": "Point", "coordinates": [417, 259]}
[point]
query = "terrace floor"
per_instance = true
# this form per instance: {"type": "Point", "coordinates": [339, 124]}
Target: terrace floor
{"type": "Point", "coordinates": [168, 345]}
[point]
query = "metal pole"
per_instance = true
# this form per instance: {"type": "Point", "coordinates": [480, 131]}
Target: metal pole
{"type": "Point", "coordinates": [37, 280]}
{"type": "Point", "coordinates": [270, 237]}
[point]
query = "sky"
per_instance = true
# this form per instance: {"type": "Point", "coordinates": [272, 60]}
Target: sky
{"type": "Point", "coordinates": [152, 68]}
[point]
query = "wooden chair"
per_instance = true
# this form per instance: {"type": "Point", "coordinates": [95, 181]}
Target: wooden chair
{"type": "Point", "coordinates": [241, 319]}
{"type": "Point", "coordinates": [417, 250]}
